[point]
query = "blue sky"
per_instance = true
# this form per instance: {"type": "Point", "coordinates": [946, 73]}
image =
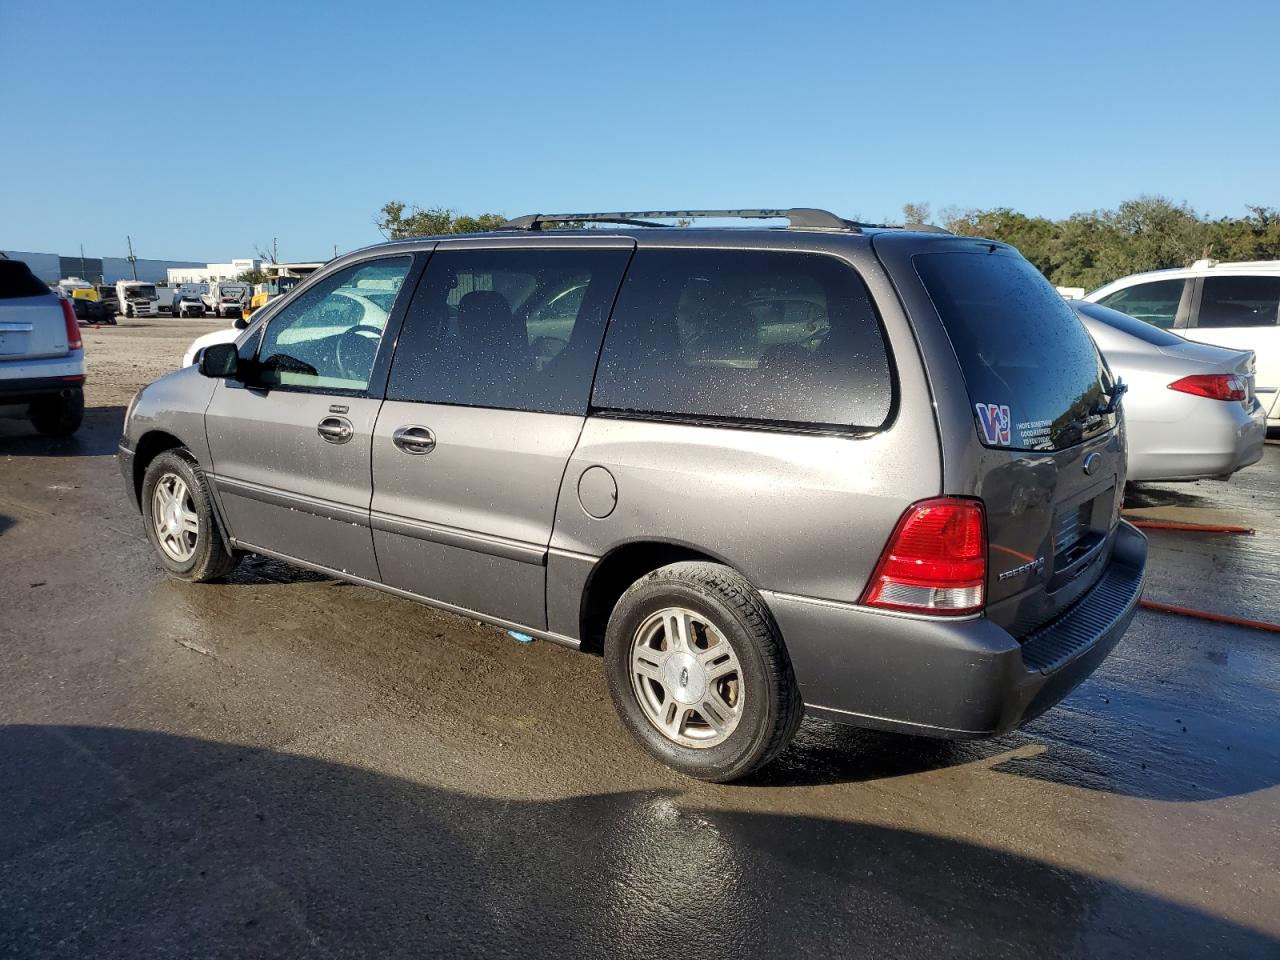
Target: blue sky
{"type": "Point", "coordinates": [239, 122]}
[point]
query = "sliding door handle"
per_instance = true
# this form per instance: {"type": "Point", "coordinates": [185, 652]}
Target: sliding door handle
{"type": "Point", "coordinates": [414, 439]}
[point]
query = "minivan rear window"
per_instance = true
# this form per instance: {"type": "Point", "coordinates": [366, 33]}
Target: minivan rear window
{"type": "Point", "coordinates": [17, 280]}
{"type": "Point", "coordinates": [1031, 369]}
{"type": "Point", "coordinates": [745, 335]}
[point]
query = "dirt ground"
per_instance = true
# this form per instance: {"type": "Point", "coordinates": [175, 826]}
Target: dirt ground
{"type": "Point", "coordinates": [284, 765]}
{"type": "Point", "coordinates": [124, 357]}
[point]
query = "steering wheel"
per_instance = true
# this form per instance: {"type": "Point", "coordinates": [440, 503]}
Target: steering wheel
{"type": "Point", "coordinates": [355, 350]}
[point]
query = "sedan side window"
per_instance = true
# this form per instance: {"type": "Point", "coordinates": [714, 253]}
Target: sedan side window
{"type": "Point", "coordinates": [1239, 302]}
{"type": "Point", "coordinates": [327, 338]}
{"type": "Point", "coordinates": [1155, 303]}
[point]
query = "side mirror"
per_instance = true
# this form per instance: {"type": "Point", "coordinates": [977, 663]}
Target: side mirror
{"type": "Point", "coordinates": [220, 360]}
{"type": "Point", "coordinates": [240, 323]}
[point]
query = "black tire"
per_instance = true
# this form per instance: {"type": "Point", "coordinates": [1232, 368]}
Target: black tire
{"type": "Point", "coordinates": [771, 706]}
{"type": "Point", "coordinates": [210, 559]}
{"type": "Point", "coordinates": [60, 416]}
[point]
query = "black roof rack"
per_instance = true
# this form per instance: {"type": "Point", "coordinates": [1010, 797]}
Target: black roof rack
{"type": "Point", "coordinates": [803, 218]}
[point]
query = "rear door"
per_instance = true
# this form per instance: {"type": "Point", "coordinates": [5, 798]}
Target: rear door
{"type": "Point", "coordinates": [1019, 419]}
{"type": "Point", "coordinates": [1243, 313]}
{"type": "Point", "coordinates": [32, 325]}
{"type": "Point", "coordinates": [487, 396]}
{"type": "Point", "coordinates": [290, 445]}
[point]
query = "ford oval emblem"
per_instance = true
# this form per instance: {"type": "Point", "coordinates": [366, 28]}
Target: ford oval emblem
{"type": "Point", "coordinates": [1091, 463]}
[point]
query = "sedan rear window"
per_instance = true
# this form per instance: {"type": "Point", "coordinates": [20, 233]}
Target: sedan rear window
{"type": "Point", "coordinates": [17, 280]}
{"type": "Point", "coordinates": [1032, 371]}
{"type": "Point", "coordinates": [1127, 324]}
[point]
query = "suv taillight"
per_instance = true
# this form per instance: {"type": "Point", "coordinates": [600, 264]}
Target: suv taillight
{"type": "Point", "coordinates": [936, 560]}
{"type": "Point", "coordinates": [1215, 386]}
{"type": "Point", "coordinates": [73, 329]}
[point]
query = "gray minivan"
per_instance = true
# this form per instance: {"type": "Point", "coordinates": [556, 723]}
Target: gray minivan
{"type": "Point", "coordinates": [871, 474]}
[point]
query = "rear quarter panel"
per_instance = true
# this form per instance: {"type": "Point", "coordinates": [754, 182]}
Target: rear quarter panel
{"type": "Point", "coordinates": [797, 513]}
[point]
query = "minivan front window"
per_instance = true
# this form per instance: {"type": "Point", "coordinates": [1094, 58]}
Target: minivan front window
{"type": "Point", "coordinates": [328, 337]}
{"type": "Point", "coordinates": [1034, 376]}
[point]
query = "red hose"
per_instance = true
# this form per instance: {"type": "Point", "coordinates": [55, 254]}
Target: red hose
{"type": "Point", "coordinates": [1190, 527]}
{"type": "Point", "coordinates": [1205, 615]}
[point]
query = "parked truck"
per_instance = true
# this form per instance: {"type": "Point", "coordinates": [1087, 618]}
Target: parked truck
{"type": "Point", "coordinates": [137, 298]}
{"type": "Point", "coordinates": [226, 298]}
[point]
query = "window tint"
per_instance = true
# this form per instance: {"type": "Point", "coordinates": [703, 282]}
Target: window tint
{"type": "Point", "coordinates": [1126, 324]}
{"type": "Point", "coordinates": [515, 329]}
{"type": "Point", "coordinates": [1239, 302]}
{"type": "Point", "coordinates": [17, 280]}
{"type": "Point", "coordinates": [1031, 369]}
{"type": "Point", "coordinates": [1155, 303]}
{"type": "Point", "coordinates": [329, 336]}
{"type": "Point", "coordinates": [779, 337]}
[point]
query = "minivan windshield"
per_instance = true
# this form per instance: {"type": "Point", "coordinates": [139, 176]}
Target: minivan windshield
{"type": "Point", "coordinates": [1034, 376]}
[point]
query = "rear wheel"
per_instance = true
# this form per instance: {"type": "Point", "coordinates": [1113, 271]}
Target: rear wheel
{"type": "Point", "coordinates": [698, 671]}
{"type": "Point", "coordinates": [177, 509]}
{"type": "Point", "coordinates": [58, 416]}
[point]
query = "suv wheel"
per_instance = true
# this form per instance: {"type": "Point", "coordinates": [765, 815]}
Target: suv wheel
{"type": "Point", "coordinates": [58, 416]}
{"type": "Point", "coordinates": [177, 510]}
{"type": "Point", "coordinates": [698, 671]}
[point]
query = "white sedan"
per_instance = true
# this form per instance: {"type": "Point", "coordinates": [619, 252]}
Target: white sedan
{"type": "Point", "coordinates": [1190, 412]}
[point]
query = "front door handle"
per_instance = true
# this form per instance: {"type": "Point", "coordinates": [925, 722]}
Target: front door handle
{"type": "Point", "coordinates": [414, 439]}
{"type": "Point", "coordinates": [335, 429]}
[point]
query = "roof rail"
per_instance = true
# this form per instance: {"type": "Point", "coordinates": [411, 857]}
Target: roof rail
{"type": "Point", "coordinates": [803, 218]}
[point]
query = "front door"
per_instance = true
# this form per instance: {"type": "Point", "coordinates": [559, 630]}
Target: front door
{"type": "Point", "coordinates": [486, 398]}
{"type": "Point", "coordinates": [290, 445]}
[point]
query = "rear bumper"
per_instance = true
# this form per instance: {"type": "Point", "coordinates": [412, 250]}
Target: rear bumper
{"type": "Point", "coordinates": [26, 389]}
{"type": "Point", "coordinates": [947, 678]}
{"type": "Point", "coordinates": [1223, 438]}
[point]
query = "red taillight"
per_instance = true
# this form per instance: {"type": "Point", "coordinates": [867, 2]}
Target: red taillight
{"type": "Point", "coordinates": [936, 560]}
{"type": "Point", "coordinates": [73, 329]}
{"type": "Point", "coordinates": [1215, 386]}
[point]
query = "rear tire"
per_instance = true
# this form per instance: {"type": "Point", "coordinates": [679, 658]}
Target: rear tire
{"type": "Point", "coordinates": [699, 673]}
{"type": "Point", "coordinates": [60, 416]}
{"type": "Point", "coordinates": [177, 511]}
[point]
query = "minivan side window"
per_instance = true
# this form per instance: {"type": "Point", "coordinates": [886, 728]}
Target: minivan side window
{"type": "Point", "coordinates": [512, 329]}
{"type": "Point", "coordinates": [1239, 302]}
{"type": "Point", "coordinates": [328, 337]}
{"type": "Point", "coordinates": [746, 335]}
{"type": "Point", "coordinates": [1155, 302]}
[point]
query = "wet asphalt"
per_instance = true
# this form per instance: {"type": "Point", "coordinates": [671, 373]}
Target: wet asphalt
{"type": "Point", "coordinates": [284, 765]}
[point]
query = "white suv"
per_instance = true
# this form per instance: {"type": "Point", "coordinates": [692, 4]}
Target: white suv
{"type": "Point", "coordinates": [1233, 305]}
{"type": "Point", "coordinates": [41, 354]}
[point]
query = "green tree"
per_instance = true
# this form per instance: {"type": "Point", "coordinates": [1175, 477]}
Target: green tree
{"type": "Point", "coordinates": [396, 221]}
{"type": "Point", "coordinates": [252, 277]}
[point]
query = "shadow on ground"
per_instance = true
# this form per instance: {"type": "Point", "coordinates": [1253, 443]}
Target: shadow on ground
{"type": "Point", "coordinates": [98, 436]}
{"type": "Point", "coordinates": [125, 843]}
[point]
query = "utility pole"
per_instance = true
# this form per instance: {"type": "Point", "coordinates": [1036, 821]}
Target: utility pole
{"type": "Point", "coordinates": [133, 261]}
{"type": "Point", "coordinates": [82, 270]}
{"type": "Point", "coordinates": [275, 256]}
{"type": "Point", "coordinates": [335, 251]}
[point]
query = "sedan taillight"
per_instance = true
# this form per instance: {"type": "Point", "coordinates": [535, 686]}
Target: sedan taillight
{"type": "Point", "coordinates": [1215, 386]}
{"type": "Point", "coordinates": [936, 560]}
{"type": "Point", "coordinates": [73, 329]}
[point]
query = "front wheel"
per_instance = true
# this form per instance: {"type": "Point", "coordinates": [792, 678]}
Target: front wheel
{"type": "Point", "coordinates": [177, 509]}
{"type": "Point", "coordinates": [698, 671]}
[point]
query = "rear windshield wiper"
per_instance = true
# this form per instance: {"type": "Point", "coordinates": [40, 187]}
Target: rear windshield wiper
{"type": "Point", "coordinates": [1118, 390]}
